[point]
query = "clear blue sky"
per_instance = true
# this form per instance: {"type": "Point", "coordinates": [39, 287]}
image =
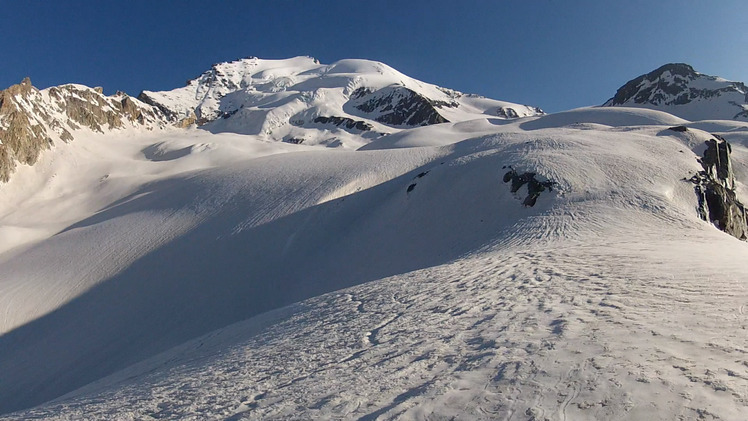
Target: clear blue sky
{"type": "Point", "coordinates": [556, 54]}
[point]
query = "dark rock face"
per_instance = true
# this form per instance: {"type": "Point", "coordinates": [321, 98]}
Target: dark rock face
{"type": "Point", "coordinates": [652, 89]}
{"type": "Point", "coordinates": [534, 186]}
{"type": "Point", "coordinates": [715, 188]}
{"type": "Point", "coordinates": [143, 97]}
{"type": "Point", "coordinates": [172, 116]}
{"type": "Point", "coordinates": [511, 113]}
{"type": "Point", "coordinates": [507, 112]}
{"type": "Point", "coordinates": [345, 122]}
{"type": "Point", "coordinates": [679, 84]}
{"type": "Point", "coordinates": [399, 106]}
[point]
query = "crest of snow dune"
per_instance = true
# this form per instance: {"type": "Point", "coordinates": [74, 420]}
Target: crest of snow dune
{"type": "Point", "coordinates": [680, 90]}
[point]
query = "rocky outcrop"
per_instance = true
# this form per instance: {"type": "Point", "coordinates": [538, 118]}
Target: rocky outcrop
{"type": "Point", "coordinates": [507, 112]}
{"type": "Point", "coordinates": [535, 186]}
{"type": "Point", "coordinates": [22, 135]}
{"type": "Point", "coordinates": [512, 113]}
{"type": "Point", "coordinates": [715, 189]}
{"type": "Point", "coordinates": [399, 106]}
{"type": "Point", "coordinates": [178, 117]}
{"type": "Point", "coordinates": [86, 107]}
{"type": "Point", "coordinates": [31, 120]}
{"type": "Point", "coordinates": [678, 89]}
{"type": "Point", "coordinates": [345, 122]}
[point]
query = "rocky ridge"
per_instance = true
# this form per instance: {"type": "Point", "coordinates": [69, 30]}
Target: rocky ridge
{"type": "Point", "coordinates": [680, 90]}
{"type": "Point", "coordinates": [715, 188]}
{"type": "Point", "coordinates": [32, 120]}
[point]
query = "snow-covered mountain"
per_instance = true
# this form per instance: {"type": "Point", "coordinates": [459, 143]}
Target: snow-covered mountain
{"type": "Point", "coordinates": [680, 90]}
{"type": "Point", "coordinates": [297, 100]}
{"type": "Point", "coordinates": [300, 100]}
{"type": "Point", "coordinates": [460, 264]}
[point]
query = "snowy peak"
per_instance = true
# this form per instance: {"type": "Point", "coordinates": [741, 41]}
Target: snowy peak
{"type": "Point", "coordinates": [680, 90]}
{"type": "Point", "coordinates": [297, 100]}
{"type": "Point", "coordinates": [200, 101]}
{"type": "Point", "coordinates": [294, 100]}
{"type": "Point", "coordinates": [31, 120]}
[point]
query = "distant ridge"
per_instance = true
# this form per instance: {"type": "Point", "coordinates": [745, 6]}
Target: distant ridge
{"type": "Point", "coordinates": [296, 100]}
{"type": "Point", "coordinates": [680, 90]}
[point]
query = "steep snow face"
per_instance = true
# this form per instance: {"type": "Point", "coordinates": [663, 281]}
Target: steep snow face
{"type": "Point", "coordinates": [680, 90]}
{"type": "Point", "coordinates": [294, 100]}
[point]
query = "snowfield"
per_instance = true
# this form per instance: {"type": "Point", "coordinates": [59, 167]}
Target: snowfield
{"type": "Point", "coordinates": [183, 274]}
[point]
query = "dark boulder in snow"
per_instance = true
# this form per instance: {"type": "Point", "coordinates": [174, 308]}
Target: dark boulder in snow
{"type": "Point", "coordinates": [715, 187]}
{"type": "Point", "coordinates": [534, 186]}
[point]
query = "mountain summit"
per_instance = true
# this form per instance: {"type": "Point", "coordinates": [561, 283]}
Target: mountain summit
{"type": "Point", "coordinates": [299, 100]}
{"type": "Point", "coordinates": [680, 90]}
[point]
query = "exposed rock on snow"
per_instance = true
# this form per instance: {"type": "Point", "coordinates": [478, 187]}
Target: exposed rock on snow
{"type": "Point", "coordinates": [345, 122]}
{"type": "Point", "coordinates": [534, 186]}
{"type": "Point", "coordinates": [680, 129]}
{"type": "Point", "coordinates": [680, 90]}
{"type": "Point", "coordinates": [715, 187]}
{"type": "Point", "coordinates": [22, 137]}
{"type": "Point", "coordinates": [510, 113]}
{"type": "Point", "coordinates": [32, 120]}
{"type": "Point", "coordinates": [400, 106]}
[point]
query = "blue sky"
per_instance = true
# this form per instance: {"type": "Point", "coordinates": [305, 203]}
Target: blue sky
{"type": "Point", "coordinates": [555, 54]}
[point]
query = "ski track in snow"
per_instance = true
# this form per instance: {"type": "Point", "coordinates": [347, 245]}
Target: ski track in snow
{"type": "Point", "coordinates": [580, 331]}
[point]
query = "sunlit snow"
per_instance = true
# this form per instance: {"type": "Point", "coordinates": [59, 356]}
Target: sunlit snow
{"type": "Point", "coordinates": [191, 274]}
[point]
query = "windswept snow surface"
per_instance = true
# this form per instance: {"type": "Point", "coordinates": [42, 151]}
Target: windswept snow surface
{"type": "Point", "coordinates": [235, 280]}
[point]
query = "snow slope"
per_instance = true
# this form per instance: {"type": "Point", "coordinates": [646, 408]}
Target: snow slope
{"type": "Point", "coordinates": [217, 273]}
{"type": "Point", "coordinates": [227, 278]}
